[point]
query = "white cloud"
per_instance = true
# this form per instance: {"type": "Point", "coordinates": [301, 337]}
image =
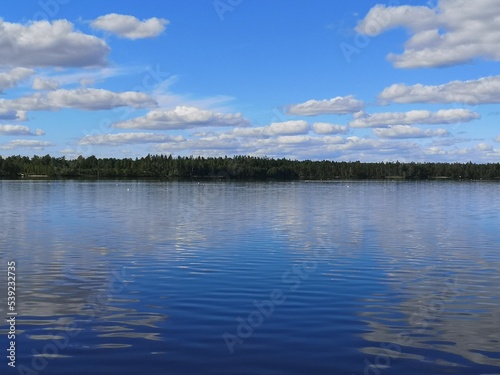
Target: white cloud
{"type": "Point", "coordinates": [18, 143]}
{"type": "Point", "coordinates": [253, 132]}
{"type": "Point", "coordinates": [42, 43]}
{"type": "Point", "coordinates": [454, 32]}
{"type": "Point", "coordinates": [130, 27]}
{"type": "Point", "coordinates": [326, 128]}
{"type": "Point", "coordinates": [402, 143]}
{"type": "Point", "coordinates": [434, 151]}
{"type": "Point", "coordinates": [340, 105]}
{"type": "Point", "coordinates": [128, 138]}
{"type": "Point", "coordinates": [484, 147]}
{"type": "Point", "coordinates": [289, 127]}
{"type": "Point", "coordinates": [13, 77]}
{"type": "Point", "coordinates": [444, 116]}
{"type": "Point", "coordinates": [497, 138]}
{"type": "Point", "coordinates": [45, 84]}
{"type": "Point", "coordinates": [381, 18]}
{"type": "Point", "coordinates": [296, 139]}
{"type": "Point", "coordinates": [276, 128]}
{"type": "Point", "coordinates": [474, 92]}
{"type": "Point", "coordinates": [84, 98]}
{"type": "Point", "coordinates": [333, 140]}
{"type": "Point", "coordinates": [358, 143]}
{"type": "Point", "coordinates": [182, 117]}
{"type": "Point", "coordinates": [306, 146]}
{"type": "Point", "coordinates": [210, 145]}
{"type": "Point", "coordinates": [18, 130]}
{"type": "Point", "coordinates": [407, 131]}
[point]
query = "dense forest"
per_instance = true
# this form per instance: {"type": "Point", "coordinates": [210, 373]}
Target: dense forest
{"type": "Point", "coordinates": [237, 167]}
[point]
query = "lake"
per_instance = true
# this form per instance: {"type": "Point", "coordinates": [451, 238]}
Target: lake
{"type": "Point", "coordinates": [338, 277]}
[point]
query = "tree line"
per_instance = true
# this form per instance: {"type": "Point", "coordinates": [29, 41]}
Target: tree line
{"type": "Point", "coordinates": [237, 167]}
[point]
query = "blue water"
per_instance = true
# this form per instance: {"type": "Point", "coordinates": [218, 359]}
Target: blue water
{"type": "Point", "coordinates": [344, 277]}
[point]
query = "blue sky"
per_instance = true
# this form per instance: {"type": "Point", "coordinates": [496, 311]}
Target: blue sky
{"type": "Point", "coordinates": [395, 80]}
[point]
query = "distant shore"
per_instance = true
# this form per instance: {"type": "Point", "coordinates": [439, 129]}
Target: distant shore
{"type": "Point", "coordinates": [236, 168]}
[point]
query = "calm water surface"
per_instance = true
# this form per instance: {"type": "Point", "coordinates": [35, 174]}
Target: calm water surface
{"type": "Point", "coordinates": [253, 278]}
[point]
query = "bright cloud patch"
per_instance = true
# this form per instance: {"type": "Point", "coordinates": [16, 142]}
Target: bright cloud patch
{"type": "Point", "coordinates": [289, 127]}
{"type": "Point", "coordinates": [296, 139]}
{"type": "Point", "coordinates": [482, 91]}
{"type": "Point", "coordinates": [455, 32]}
{"type": "Point", "coordinates": [25, 143]}
{"type": "Point", "coordinates": [326, 128]}
{"type": "Point", "coordinates": [18, 130]}
{"type": "Point", "coordinates": [45, 84]}
{"type": "Point", "coordinates": [445, 116]}
{"type": "Point", "coordinates": [13, 77]}
{"type": "Point", "coordinates": [128, 138]}
{"type": "Point", "coordinates": [182, 117]}
{"type": "Point", "coordinates": [87, 99]}
{"type": "Point", "coordinates": [130, 27]}
{"type": "Point", "coordinates": [275, 129]}
{"type": "Point", "coordinates": [42, 44]}
{"type": "Point", "coordinates": [406, 131]}
{"type": "Point", "coordinates": [339, 105]}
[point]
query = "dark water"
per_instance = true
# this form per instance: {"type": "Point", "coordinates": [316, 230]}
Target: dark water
{"type": "Point", "coordinates": [253, 278]}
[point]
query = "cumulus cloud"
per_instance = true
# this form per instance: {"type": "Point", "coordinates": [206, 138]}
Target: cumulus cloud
{"type": "Point", "coordinates": [211, 144]}
{"type": "Point", "coordinates": [130, 27]}
{"type": "Point", "coordinates": [340, 105]}
{"type": "Point", "coordinates": [326, 128]}
{"type": "Point", "coordinates": [13, 77]}
{"type": "Point", "coordinates": [444, 116]}
{"type": "Point", "coordinates": [182, 117]}
{"type": "Point", "coordinates": [18, 130]}
{"type": "Point", "coordinates": [84, 98]}
{"type": "Point", "coordinates": [25, 143]}
{"type": "Point", "coordinates": [484, 147]}
{"type": "Point", "coordinates": [434, 151]}
{"type": "Point", "coordinates": [276, 128]}
{"type": "Point", "coordinates": [295, 139]}
{"type": "Point", "coordinates": [357, 143]}
{"type": "Point", "coordinates": [254, 132]}
{"type": "Point", "coordinates": [43, 43]}
{"type": "Point", "coordinates": [497, 138]}
{"type": "Point", "coordinates": [407, 131]}
{"type": "Point", "coordinates": [474, 92]}
{"type": "Point", "coordinates": [289, 127]}
{"type": "Point", "coordinates": [128, 138]}
{"type": "Point", "coordinates": [45, 84]}
{"type": "Point", "coordinates": [453, 32]}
